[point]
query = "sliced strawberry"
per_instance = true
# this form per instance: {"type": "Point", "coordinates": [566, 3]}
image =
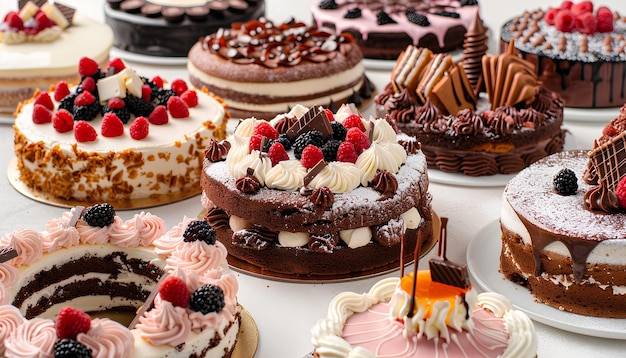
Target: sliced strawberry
{"type": "Point", "coordinates": [159, 115]}
{"type": "Point", "coordinates": [111, 125]}
{"type": "Point", "coordinates": [43, 21]}
{"type": "Point", "coordinates": [44, 99]}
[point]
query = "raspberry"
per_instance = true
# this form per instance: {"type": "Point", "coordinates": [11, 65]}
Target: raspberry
{"type": "Point", "coordinates": [139, 128]}
{"type": "Point", "coordinates": [329, 114]}
{"type": "Point", "coordinates": [99, 215]}
{"type": "Point", "coordinates": [116, 103]}
{"type": "Point", "coordinates": [43, 21]}
{"type": "Point", "coordinates": [87, 67]}
{"type": "Point", "coordinates": [565, 182]}
{"type": "Point", "coordinates": [567, 5]}
{"type": "Point", "coordinates": [266, 129]}
{"type": "Point", "coordinates": [177, 107]}
{"type": "Point", "coordinates": [159, 115]}
{"type": "Point", "coordinates": [70, 322]}
{"type": "Point", "coordinates": [551, 16]}
{"type": "Point", "coordinates": [179, 86]}
{"type": "Point", "coordinates": [586, 23]}
{"type": "Point", "coordinates": [207, 299]}
{"type": "Point", "coordinates": [116, 64]}
{"type": "Point", "coordinates": [277, 153]}
{"type": "Point", "coordinates": [84, 99]}
{"type": "Point", "coordinates": [609, 130]}
{"type": "Point", "coordinates": [358, 138]}
{"type": "Point", "coordinates": [311, 155]}
{"type": "Point", "coordinates": [190, 97]}
{"type": "Point", "coordinates": [14, 20]}
{"type": "Point", "coordinates": [63, 121]}
{"type": "Point", "coordinates": [111, 126]}
{"type": "Point", "coordinates": [199, 230]}
{"type": "Point", "coordinates": [564, 21]}
{"type": "Point", "coordinates": [41, 114]}
{"type": "Point", "coordinates": [620, 192]}
{"type": "Point", "coordinates": [582, 8]}
{"type": "Point", "coordinates": [158, 81]}
{"type": "Point", "coordinates": [255, 142]}
{"type": "Point", "coordinates": [69, 348]}
{"type": "Point", "coordinates": [44, 99]}
{"type": "Point", "coordinates": [174, 290]}
{"type": "Point", "coordinates": [352, 121]}
{"type": "Point", "coordinates": [347, 153]}
{"type": "Point", "coordinates": [604, 18]}
{"type": "Point", "coordinates": [88, 84]}
{"type": "Point", "coordinates": [61, 91]}
{"type": "Point", "coordinates": [146, 93]}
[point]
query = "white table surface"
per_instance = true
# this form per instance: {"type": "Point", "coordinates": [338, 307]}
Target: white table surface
{"type": "Point", "coordinates": [285, 312]}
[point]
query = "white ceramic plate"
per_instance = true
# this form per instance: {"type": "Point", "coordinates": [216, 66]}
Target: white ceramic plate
{"type": "Point", "coordinates": [146, 59]}
{"type": "Point", "coordinates": [6, 119]}
{"type": "Point", "coordinates": [588, 115]}
{"type": "Point", "coordinates": [483, 261]}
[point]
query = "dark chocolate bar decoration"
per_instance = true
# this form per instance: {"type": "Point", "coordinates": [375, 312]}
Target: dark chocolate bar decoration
{"type": "Point", "coordinates": [38, 3]}
{"type": "Point", "coordinates": [68, 12]}
{"type": "Point", "coordinates": [78, 212]}
{"type": "Point", "coordinates": [443, 270]}
{"type": "Point", "coordinates": [317, 168]}
{"type": "Point", "coordinates": [149, 302]}
{"type": "Point", "coordinates": [370, 133]}
{"type": "Point", "coordinates": [609, 159]}
{"type": "Point", "coordinates": [265, 144]}
{"type": "Point", "coordinates": [7, 253]}
{"type": "Point", "coordinates": [313, 120]}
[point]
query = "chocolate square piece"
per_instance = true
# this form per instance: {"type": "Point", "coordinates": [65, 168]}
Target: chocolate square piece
{"type": "Point", "coordinates": [609, 159]}
{"type": "Point", "coordinates": [7, 253]}
{"type": "Point", "coordinates": [313, 120]}
{"type": "Point", "coordinates": [449, 273]}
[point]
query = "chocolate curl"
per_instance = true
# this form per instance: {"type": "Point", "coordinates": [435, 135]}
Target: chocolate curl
{"type": "Point", "coordinates": [416, 261]}
{"type": "Point", "coordinates": [148, 303]}
{"type": "Point", "coordinates": [78, 213]}
{"type": "Point", "coordinates": [7, 253]}
{"type": "Point", "coordinates": [444, 271]}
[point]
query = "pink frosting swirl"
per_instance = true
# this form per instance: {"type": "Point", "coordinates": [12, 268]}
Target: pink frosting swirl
{"type": "Point", "coordinates": [212, 320]}
{"type": "Point", "coordinates": [197, 256]}
{"type": "Point", "coordinates": [164, 325]}
{"type": "Point", "coordinates": [108, 339]}
{"type": "Point", "coordinates": [4, 296]}
{"type": "Point", "coordinates": [8, 274]}
{"type": "Point", "coordinates": [59, 233]}
{"type": "Point", "coordinates": [32, 338]}
{"type": "Point", "coordinates": [121, 235]}
{"type": "Point", "coordinates": [142, 230]}
{"type": "Point", "coordinates": [224, 279]}
{"type": "Point", "coordinates": [95, 235]}
{"type": "Point", "coordinates": [10, 319]}
{"type": "Point", "coordinates": [166, 244]}
{"type": "Point", "coordinates": [27, 243]}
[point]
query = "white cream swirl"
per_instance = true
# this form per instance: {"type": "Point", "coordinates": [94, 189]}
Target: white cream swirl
{"type": "Point", "coordinates": [27, 243]}
{"type": "Point", "coordinates": [522, 339]}
{"type": "Point", "coordinates": [379, 156]}
{"type": "Point", "coordinates": [287, 175]}
{"type": "Point", "coordinates": [32, 338]}
{"type": "Point", "coordinates": [239, 148]}
{"type": "Point", "coordinates": [108, 339]}
{"type": "Point", "coordinates": [197, 256]}
{"type": "Point", "coordinates": [383, 132]}
{"type": "Point", "coordinates": [245, 127]}
{"type": "Point", "coordinates": [339, 177]}
{"type": "Point", "coordinates": [261, 164]}
{"type": "Point", "coordinates": [165, 324]}
{"type": "Point", "coordinates": [10, 318]}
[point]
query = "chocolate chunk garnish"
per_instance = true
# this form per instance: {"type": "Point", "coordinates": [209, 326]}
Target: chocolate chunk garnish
{"type": "Point", "coordinates": [7, 253]}
{"type": "Point", "coordinates": [78, 212]}
{"type": "Point", "coordinates": [68, 12]}
{"type": "Point", "coordinates": [314, 119]}
{"type": "Point", "coordinates": [609, 161]}
{"type": "Point", "coordinates": [443, 270]}
{"type": "Point", "coordinates": [314, 172]}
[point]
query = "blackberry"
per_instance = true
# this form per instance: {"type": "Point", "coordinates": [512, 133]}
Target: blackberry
{"type": "Point", "coordinates": [339, 131]}
{"type": "Point", "coordinates": [565, 182]}
{"type": "Point", "coordinates": [452, 14]}
{"type": "Point", "coordinates": [416, 18]}
{"type": "Point", "coordinates": [122, 113]}
{"type": "Point", "coordinates": [304, 139]}
{"type": "Point", "coordinates": [69, 348]}
{"type": "Point", "coordinates": [86, 113]}
{"type": "Point", "coordinates": [328, 5]}
{"type": "Point", "coordinates": [161, 95]}
{"type": "Point", "coordinates": [330, 150]}
{"type": "Point", "coordinates": [207, 299]}
{"type": "Point", "coordinates": [99, 215]}
{"type": "Point", "coordinates": [282, 139]}
{"type": "Point", "coordinates": [138, 106]}
{"type": "Point", "coordinates": [469, 2]}
{"type": "Point", "coordinates": [199, 230]}
{"type": "Point", "coordinates": [67, 103]}
{"type": "Point", "coordinates": [352, 13]}
{"type": "Point", "coordinates": [383, 18]}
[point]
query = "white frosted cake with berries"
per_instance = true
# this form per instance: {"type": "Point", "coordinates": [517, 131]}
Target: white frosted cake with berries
{"type": "Point", "coordinates": [41, 44]}
{"type": "Point", "coordinates": [115, 137]}
{"type": "Point", "coordinates": [315, 193]}
{"type": "Point", "coordinates": [93, 261]}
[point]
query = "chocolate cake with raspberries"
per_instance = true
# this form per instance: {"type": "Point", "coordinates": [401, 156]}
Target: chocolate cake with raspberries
{"type": "Point", "coordinates": [168, 28]}
{"type": "Point", "coordinates": [577, 50]}
{"type": "Point", "coordinates": [384, 28]}
{"type": "Point", "coordinates": [563, 227]}
{"type": "Point", "coordinates": [312, 193]}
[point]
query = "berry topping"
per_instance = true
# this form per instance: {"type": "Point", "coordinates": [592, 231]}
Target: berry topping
{"type": "Point", "coordinates": [173, 289]}
{"type": "Point", "coordinates": [139, 128]}
{"type": "Point", "coordinates": [383, 18]}
{"type": "Point", "coordinates": [452, 14]}
{"type": "Point", "coordinates": [416, 18]}
{"type": "Point", "coordinates": [567, 5]}
{"type": "Point", "coordinates": [84, 99]}
{"type": "Point", "coordinates": [282, 139]}
{"type": "Point", "coordinates": [255, 142]}
{"type": "Point", "coordinates": [339, 131]}
{"type": "Point", "coordinates": [277, 153]}
{"type": "Point", "coordinates": [190, 97]}
{"type": "Point", "coordinates": [565, 182]}
{"type": "Point", "coordinates": [329, 114]}
{"type": "Point", "coordinates": [550, 17]}
{"type": "Point", "coordinates": [585, 23]}
{"type": "Point", "coordinates": [44, 99]}
{"type": "Point", "coordinates": [138, 106]}
{"type": "Point", "coordinates": [199, 230]}
{"type": "Point", "coordinates": [266, 129]}
{"type": "Point", "coordinates": [116, 103]}
{"type": "Point", "coordinates": [311, 155]}
{"type": "Point", "coordinates": [604, 17]}
{"type": "Point", "coordinates": [99, 215]}
{"type": "Point", "coordinates": [111, 126]}
{"type": "Point", "coordinates": [564, 21]}
{"type": "Point", "coordinates": [304, 139]}
{"type": "Point", "coordinates": [207, 299]}
{"type": "Point", "coordinates": [84, 132]}
{"type": "Point", "coordinates": [352, 121]}
{"type": "Point", "coordinates": [70, 322]}
{"type": "Point", "coordinates": [61, 90]}
{"type": "Point", "coordinates": [88, 84]}
{"type": "Point", "coordinates": [177, 107]}
{"type": "Point", "coordinates": [582, 8]}
{"type": "Point", "coordinates": [69, 348]}
{"type": "Point", "coordinates": [330, 150]}
{"type": "Point", "coordinates": [358, 138]}
{"type": "Point", "coordinates": [158, 81]}
{"type": "Point", "coordinates": [352, 13]}
{"type": "Point", "coordinates": [116, 64]}
{"type": "Point", "coordinates": [347, 153]}
{"type": "Point", "coordinates": [328, 5]}
{"type": "Point", "coordinates": [146, 93]}
{"type": "Point", "coordinates": [14, 21]}
{"type": "Point", "coordinates": [87, 67]}
{"type": "Point", "coordinates": [43, 21]}
{"type": "Point", "coordinates": [41, 114]}
{"type": "Point", "coordinates": [620, 192]}
{"type": "Point", "coordinates": [179, 86]}
{"type": "Point", "coordinates": [62, 121]}
{"type": "Point", "coordinates": [159, 115]}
